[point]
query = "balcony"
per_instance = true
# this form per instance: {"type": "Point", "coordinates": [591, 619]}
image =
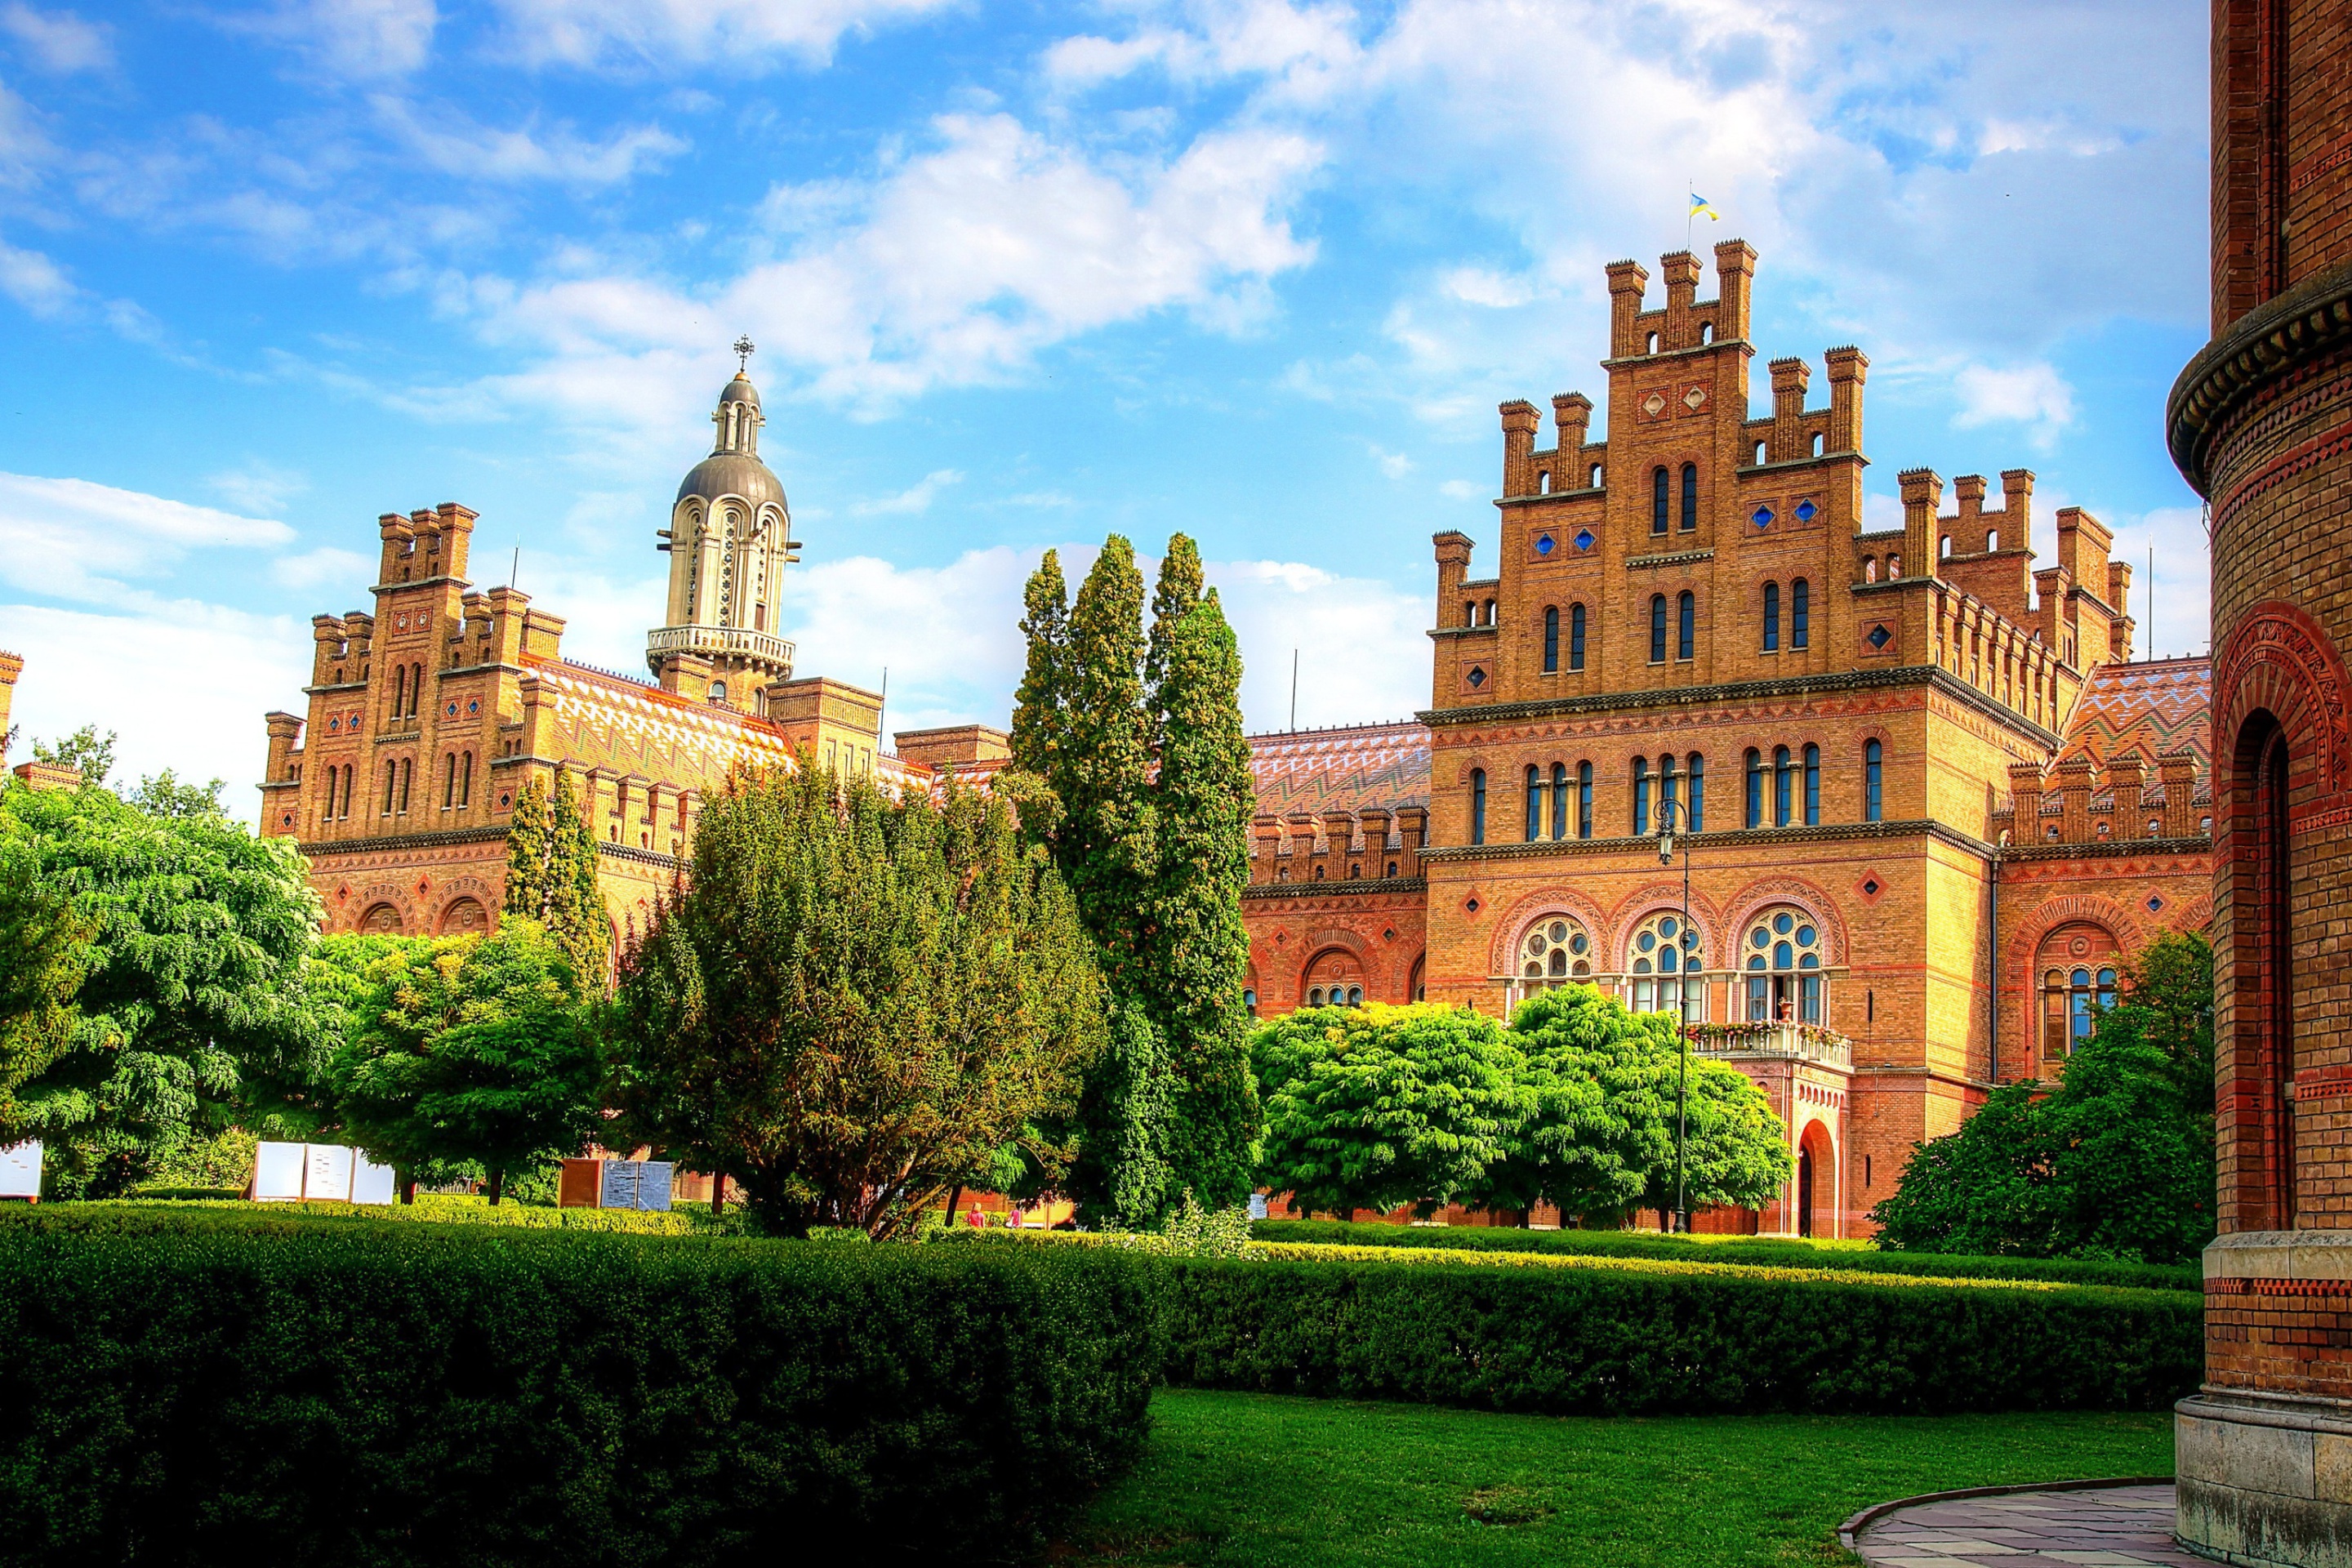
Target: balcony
{"type": "Point", "coordinates": [1801, 1042]}
{"type": "Point", "coordinates": [720, 643]}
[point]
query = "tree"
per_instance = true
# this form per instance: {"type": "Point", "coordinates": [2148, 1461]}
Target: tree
{"type": "Point", "coordinates": [162, 794]}
{"type": "Point", "coordinates": [467, 1048]}
{"type": "Point", "coordinates": [198, 1008]}
{"type": "Point", "coordinates": [45, 950]}
{"type": "Point", "coordinates": [85, 751]}
{"type": "Point", "coordinates": [1105, 841]}
{"type": "Point", "coordinates": [1173, 597]}
{"type": "Point", "coordinates": [1196, 943]}
{"type": "Point", "coordinates": [1605, 1085]}
{"type": "Point", "coordinates": [2115, 1162]}
{"type": "Point", "coordinates": [1126, 1113]}
{"type": "Point", "coordinates": [1377, 1105]}
{"type": "Point", "coordinates": [856, 1003]}
{"type": "Point", "coordinates": [552, 877]}
{"type": "Point", "coordinates": [1041, 702]}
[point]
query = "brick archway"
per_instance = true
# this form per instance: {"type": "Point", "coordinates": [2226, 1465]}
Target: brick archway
{"type": "Point", "coordinates": [2279, 660]}
{"type": "Point", "coordinates": [1759, 896]}
{"type": "Point", "coordinates": [1502, 943]}
{"type": "Point", "coordinates": [1660, 898]}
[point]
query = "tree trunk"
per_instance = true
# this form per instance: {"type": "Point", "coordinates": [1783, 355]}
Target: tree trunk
{"type": "Point", "coordinates": [955, 1196]}
{"type": "Point", "coordinates": [498, 1186]}
{"type": "Point", "coordinates": [408, 1190]}
{"type": "Point", "coordinates": [718, 1193]}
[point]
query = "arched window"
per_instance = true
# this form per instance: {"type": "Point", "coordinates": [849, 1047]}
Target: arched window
{"type": "Point", "coordinates": [1780, 960]}
{"type": "Point", "coordinates": [1334, 980]}
{"type": "Point", "coordinates": [1641, 796]}
{"type": "Point", "coordinates": [1469, 612]}
{"type": "Point", "coordinates": [1658, 500]}
{"type": "Point", "coordinates": [1800, 608]}
{"type": "Point", "coordinates": [1690, 498]}
{"type": "Point", "coordinates": [719, 691]}
{"type": "Point", "coordinates": [1490, 612]}
{"type": "Point", "coordinates": [1596, 475]}
{"type": "Point", "coordinates": [1992, 540]}
{"type": "Point", "coordinates": [391, 782]}
{"type": "Point", "coordinates": [1584, 800]}
{"type": "Point", "coordinates": [1657, 629]}
{"type": "Point", "coordinates": [1818, 443]}
{"type": "Point", "coordinates": [1686, 625]}
{"type": "Point", "coordinates": [1555, 950]}
{"type": "Point", "coordinates": [1650, 343]}
{"type": "Point", "coordinates": [1755, 816]}
{"type": "Point", "coordinates": [1771, 618]}
{"type": "Point", "coordinates": [1559, 801]}
{"type": "Point", "coordinates": [1874, 779]}
{"type": "Point", "coordinates": [1576, 636]}
{"type": "Point", "coordinates": [399, 691]}
{"type": "Point", "coordinates": [1477, 806]}
{"type": "Point", "coordinates": [1663, 959]}
{"type": "Point", "coordinates": [1697, 792]}
{"type": "Point", "coordinates": [466, 781]}
{"type": "Point", "coordinates": [1534, 804]}
{"type": "Point", "coordinates": [1669, 792]}
{"type": "Point", "coordinates": [1761, 449]}
{"type": "Point", "coordinates": [449, 781]}
{"type": "Point", "coordinates": [1894, 565]}
{"type": "Point", "coordinates": [1812, 787]}
{"type": "Point", "coordinates": [1783, 786]}
{"type": "Point", "coordinates": [1944, 548]}
{"type": "Point", "coordinates": [1543, 483]}
{"type": "Point", "coordinates": [2078, 966]}
{"type": "Point", "coordinates": [1870, 568]}
{"type": "Point", "coordinates": [1552, 639]}
{"type": "Point", "coordinates": [347, 789]}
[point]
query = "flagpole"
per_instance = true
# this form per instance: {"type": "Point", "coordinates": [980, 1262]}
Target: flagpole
{"type": "Point", "coordinates": [1690, 212]}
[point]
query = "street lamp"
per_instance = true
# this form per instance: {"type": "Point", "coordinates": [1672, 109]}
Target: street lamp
{"type": "Point", "coordinates": [1684, 942]}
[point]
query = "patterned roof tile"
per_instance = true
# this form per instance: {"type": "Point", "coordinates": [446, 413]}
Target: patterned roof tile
{"type": "Point", "coordinates": [1347, 768]}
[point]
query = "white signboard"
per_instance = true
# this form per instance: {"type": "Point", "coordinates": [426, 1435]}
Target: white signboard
{"type": "Point", "coordinates": [287, 1173]}
{"type": "Point", "coordinates": [20, 1171]}
{"type": "Point", "coordinates": [633, 1185]}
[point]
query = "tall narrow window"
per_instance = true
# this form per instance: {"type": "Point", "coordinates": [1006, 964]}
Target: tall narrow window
{"type": "Point", "coordinates": [406, 767]}
{"type": "Point", "coordinates": [1800, 606]}
{"type": "Point", "coordinates": [1559, 801]}
{"type": "Point", "coordinates": [1783, 785]}
{"type": "Point", "coordinates": [1584, 800]}
{"type": "Point", "coordinates": [328, 815]}
{"type": "Point", "coordinates": [1874, 779]}
{"type": "Point", "coordinates": [1576, 636]}
{"type": "Point", "coordinates": [466, 783]}
{"type": "Point", "coordinates": [1698, 787]}
{"type": "Point", "coordinates": [1690, 498]}
{"type": "Point", "coordinates": [391, 781]}
{"type": "Point", "coordinates": [1534, 804]}
{"type": "Point", "coordinates": [416, 688]}
{"type": "Point", "coordinates": [1669, 791]}
{"type": "Point", "coordinates": [347, 789]}
{"type": "Point", "coordinates": [1641, 796]}
{"type": "Point", "coordinates": [1686, 625]}
{"type": "Point", "coordinates": [1771, 618]}
{"type": "Point", "coordinates": [449, 781]}
{"type": "Point", "coordinates": [399, 691]}
{"type": "Point", "coordinates": [1477, 806]}
{"type": "Point", "coordinates": [1657, 629]}
{"type": "Point", "coordinates": [1812, 787]}
{"type": "Point", "coordinates": [1755, 817]}
{"type": "Point", "coordinates": [1657, 501]}
{"type": "Point", "coordinates": [1552, 639]}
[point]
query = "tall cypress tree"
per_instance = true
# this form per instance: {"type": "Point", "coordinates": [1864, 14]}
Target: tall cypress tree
{"type": "Point", "coordinates": [1172, 598]}
{"type": "Point", "coordinates": [1101, 769]}
{"type": "Point", "coordinates": [576, 914]}
{"type": "Point", "coordinates": [529, 840]}
{"type": "Point", "coordinates": [1042, 700]}
{"type": "Point", "coordinates": [1197, 950]}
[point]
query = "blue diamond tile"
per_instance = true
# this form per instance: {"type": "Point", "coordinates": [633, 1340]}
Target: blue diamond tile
{"type": "Point", "coordinates": [1543, 544]}
{"type": "Point", "coordinates": [1879, 637]}
{"type": "Point", "coordinates": [1805, 510]}
{"type": "Point", "coordinates": [1584, 539]}
{"type": "Point", "coordinates": [1762, 517]}
{"type": "Point", "coordinates": [1478, 677]}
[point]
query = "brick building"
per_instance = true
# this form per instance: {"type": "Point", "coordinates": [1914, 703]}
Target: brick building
{"type": "Point", "coordinates": [2260, 424]}
{"type": "Point", "coordinates": [1930, 804]}
{"type": "Point", "coordinates": [428, 712]}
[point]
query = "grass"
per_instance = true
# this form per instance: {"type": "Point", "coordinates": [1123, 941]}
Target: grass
{"type": "Point", "coordinates": [1234, 1479]}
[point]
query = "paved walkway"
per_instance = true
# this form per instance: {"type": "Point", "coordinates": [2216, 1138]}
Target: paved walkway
{"type": "Point", "coordinates": [2105, 1527]}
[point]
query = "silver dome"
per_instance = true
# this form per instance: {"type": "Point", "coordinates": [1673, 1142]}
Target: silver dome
{"type": "Point", "coordinates": [732, 474]}
{"type": "Point", "coordinates": [740, 390]}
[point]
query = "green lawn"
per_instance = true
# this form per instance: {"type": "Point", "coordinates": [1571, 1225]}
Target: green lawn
{"type": "Point", "coordinates": [1273, 1482]}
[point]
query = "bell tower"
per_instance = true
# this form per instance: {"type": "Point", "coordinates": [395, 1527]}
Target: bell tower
{"type": "Point", "coordinates": [728, 541]}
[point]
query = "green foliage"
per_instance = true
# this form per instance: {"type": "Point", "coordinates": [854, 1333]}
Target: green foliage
{"type": "Point", "coordinates": [1173, 597]}
{"type": "Point", "coordinates": [2116, 1162]}
{"type": "Point", "coordinates": [1607, 1342]}
{"type": "Point", "coordinates": [162, 794]}
{"type": "Point", "coordinates": [45, 950]}
{"type": "Point", "coordinates": [1198, 1231]}
{"type": "Point", "coordinates": [85, 751]}
{"type": "Point", "coordinates": [1126, 1114]}
{"type": "Point", "coordinates": [1378, 1106]}
{"type": "Point", "coordinates": [220, 1164]}
{"type": "Point", "coordinates": [552, 877]}
{"type": "Point", "coordinates": [1042, 700]}
{"type": "Point", "coordinates": [467, 1048]}
{"type": "Point", "coordinates": [198, 1010]}
{"type": "Point", "coordinates": [856, 1003]}
{"type": "Point", "coordinates": [417, 1395]}
{"type": "Point", "coordinates": [1105, 845]}
{"type": "Point", "coordinates": [531, 840]}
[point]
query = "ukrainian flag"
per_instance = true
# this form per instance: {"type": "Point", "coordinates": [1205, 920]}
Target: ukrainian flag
{"type": "Point", "coordinates": [1698, 204]}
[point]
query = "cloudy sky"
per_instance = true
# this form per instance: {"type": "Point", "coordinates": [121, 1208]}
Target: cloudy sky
{"type": "Point", "coordinates": [1020, 276]}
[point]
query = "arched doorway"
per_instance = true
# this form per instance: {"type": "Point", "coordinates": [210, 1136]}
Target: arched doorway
{"type": "Point", "coordinates": [465, 916]}
{"type": "Point", "coordinates": [380, 920]}
{"type": "Point", "coordinates": [1816, 1184]}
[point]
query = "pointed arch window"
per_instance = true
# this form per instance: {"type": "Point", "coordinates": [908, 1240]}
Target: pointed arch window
{"type": "Point", "coordinates": [1771, 618]}
{"type": "Point", "coordinates": [1658, 484]}
{"type": "Point", "coordinates": [1552, 639]}
{"type": "Point", "coordinates": [1576, 636]}
{"type": "Point", "coordinates": [1657, 629]}
{"type": "Point", "coordinates": [1800, 605]}
{"type": "Point", "coordinates": [1690, 498]}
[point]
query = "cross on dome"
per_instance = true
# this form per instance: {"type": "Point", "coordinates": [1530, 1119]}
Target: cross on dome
{"type": "Point", "coordinates": [744, 347]}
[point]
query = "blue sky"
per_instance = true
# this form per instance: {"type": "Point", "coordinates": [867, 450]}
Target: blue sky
{"type": "Point", "coordinates": [1021, 275]}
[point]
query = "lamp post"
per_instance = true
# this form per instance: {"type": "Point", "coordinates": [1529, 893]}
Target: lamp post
{"type": "Point", "coordinates": [1683, 942]}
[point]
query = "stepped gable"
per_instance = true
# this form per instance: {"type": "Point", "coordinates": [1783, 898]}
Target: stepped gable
{"type": "Point", "coordinates": [1349, 768]}
{"type": "Point", "coordinates": [2146, 709]}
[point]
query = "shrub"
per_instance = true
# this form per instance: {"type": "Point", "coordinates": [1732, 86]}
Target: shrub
{"type": "Point", "coordinates": [189, 1386]}
{"type": "Point", "coordinates": [1618, 1341]}
{"type": "Point", "coordinates": [1771, 1251]}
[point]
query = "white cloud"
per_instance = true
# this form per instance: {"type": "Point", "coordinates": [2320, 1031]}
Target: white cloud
{"type": "Point", "coordinates": [197, 712]}
{"type": "Point", "coordinates": [323, 567]}
{"type": "Point", "coordinates": [36, 282]}
{"type": "Point", "coordinates": [1463, 490]}
{"type": "Point", "coordinates": [58, 41]}
{"type": "Point", "coordinates": [666, 33]}
{"type": "Point", "coordinates": [1361, 652]}
{"type": "Point", "coordinates": [1395, 464]}
{"type": "Point", "coordinates": [360, 39]}
{"type": "Point", "coordinates": [1212, 40]}
{"type": "Point", "coordinates": [915, 499]}
{"type": "Point", "coordinates": [449, 142]}
{"type": "Point", "coordinates": [258, 485]}
{"type": "Point", "coordinates": [2032, 394]}
{"type": "Point", "coordinates": [72, 539]}
{"type": "Point", "coordinates": [2183, 578]}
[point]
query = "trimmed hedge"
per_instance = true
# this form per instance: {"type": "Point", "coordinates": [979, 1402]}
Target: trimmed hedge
{"type": "Point", "coordinates": [210, 1386]}
{"type": "Point", "coordinates": [1624, 1343]}
{"type": "Point", "coordinates": [1770, 1251]}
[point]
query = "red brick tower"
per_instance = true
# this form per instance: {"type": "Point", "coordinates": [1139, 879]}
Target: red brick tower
{"type": "Point", "coordinates": [2261, 422]}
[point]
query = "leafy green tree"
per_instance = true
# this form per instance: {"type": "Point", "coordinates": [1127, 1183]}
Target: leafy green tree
{"type": "Point", "coordinates": [1105, 843]}
{"type": "Point", "coordinates": [162, 794]}
{"type": "Point", "coordinates": [531, 843]}
{"type": "Point", "coordinates": [856, 1003]}
{"type": "Point", "coordinates": [198, 1008]}
{"type": "Point", "coordinates": [467, 1048]}
{"type": "Point", "coordinates": [85, 751]}
{"type": "Point", "coordinates": [45, 950]}
{"type": "Point", "coordinates": [1196, 944]}
{"type": "Point", "coordinates": [1125, 1117]}
{"type": "Point", "coordinates": [552, 877]}
{"type": "Point", "coordinates": [1173, 596]}
{"type": "Point", "coordinates": [1041, 703]}
{"type": "Point", "coordinates": [2117, 1161]}
{"type": "Point", "coordinates": [1378, 1106]}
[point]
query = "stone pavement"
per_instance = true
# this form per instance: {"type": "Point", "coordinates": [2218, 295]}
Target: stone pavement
{"type": "Point", "coordinates": [2105, 1527]}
